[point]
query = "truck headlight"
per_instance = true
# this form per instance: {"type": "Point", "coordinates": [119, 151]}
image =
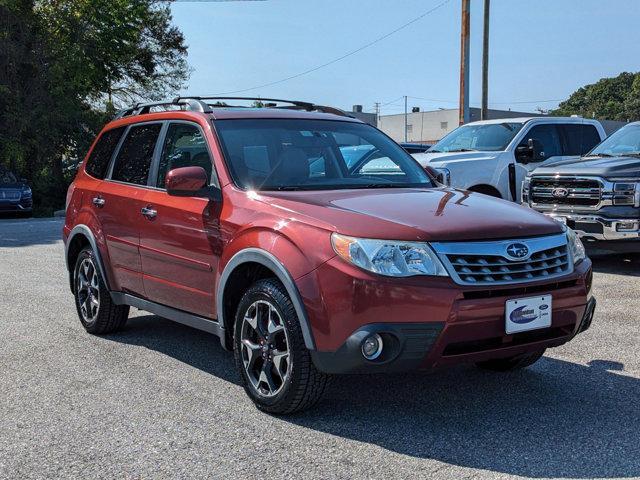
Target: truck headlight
{"type": "Point", "coordinates": [389, 257]}
{"type": "Point", "coordinates": [575, 246]}
{"type": "Point", "coordinates": [525, 190]}
{"type": "Point", "coordinates": [26, 192]}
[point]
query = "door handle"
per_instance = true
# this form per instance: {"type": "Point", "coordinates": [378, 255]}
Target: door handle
{"type": "Point", "coordinates": [149, 212]}
{"type": "Point", "coordinates": [98, 201]}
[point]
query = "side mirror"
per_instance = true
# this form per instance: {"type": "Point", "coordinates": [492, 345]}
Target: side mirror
{"type": "Point", "coordinates": [537, 149]}
{"type": "Point", "coordinates": [186, 182]}
{"type": "Point", "coordinates": [532, 152]}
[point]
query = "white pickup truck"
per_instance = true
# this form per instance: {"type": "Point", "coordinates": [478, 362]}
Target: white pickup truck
{"type": "Point", "coordinates": [494, 156]}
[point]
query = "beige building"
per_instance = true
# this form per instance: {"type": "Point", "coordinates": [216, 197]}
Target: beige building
{"type": "Point", "coordinates": [431, 126]}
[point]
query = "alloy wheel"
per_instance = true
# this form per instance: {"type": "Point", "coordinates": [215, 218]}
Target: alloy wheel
{"type": "Point", "coordinates": [88, 290]}
{"type": "Point", "coordinates": [265, 348]}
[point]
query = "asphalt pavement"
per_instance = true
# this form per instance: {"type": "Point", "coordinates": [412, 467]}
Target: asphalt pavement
{"type": "Point", "coordinates": [161, 400]}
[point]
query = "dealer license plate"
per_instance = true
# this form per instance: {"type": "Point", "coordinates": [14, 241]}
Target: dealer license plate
{"type": "Point", "coordinates": [530, 313]}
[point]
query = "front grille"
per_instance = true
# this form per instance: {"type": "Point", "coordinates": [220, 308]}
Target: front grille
{"type": "Point", "coordinates": [565, 191]}
{"type": "Point", "coordinates": [9, 194]}
{"type": "Point", "coordinates": [493, 268]}
{"type": "Point", "coordinates": [493, 263]}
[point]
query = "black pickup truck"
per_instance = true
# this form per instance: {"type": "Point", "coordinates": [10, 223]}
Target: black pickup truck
{"type": "Point", "coordinates": [597, 195]}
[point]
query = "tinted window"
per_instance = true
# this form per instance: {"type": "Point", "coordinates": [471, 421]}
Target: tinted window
{"type": "Point", "coordinates": [135, 155]}
{"type": "Point", "coordinates": [98, 161]}
{"type": "Point", "coordinates": [297, 154]}
{"type": "Point", "coordinates": [184, 146]}
{"type": "Point", "coordinates": [486, 137]}
{"type": "Point", "coordinates": [549, 138]}
{"type": "Point", "coordinates": [580, 138]}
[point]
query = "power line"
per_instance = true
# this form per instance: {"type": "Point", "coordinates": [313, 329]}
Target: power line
{"type": "Point", "coordinates": [342, 57]}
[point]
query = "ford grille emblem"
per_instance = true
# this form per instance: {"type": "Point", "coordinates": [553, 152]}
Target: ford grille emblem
{"type": "Point", "coordinates": [518, 250]}
{"type": "Point", "coordinates": [560, 192]}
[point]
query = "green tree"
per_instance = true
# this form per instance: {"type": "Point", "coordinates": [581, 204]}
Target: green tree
{"type": "Point", "coordinates": [616, 98]}
{"type": "Point", "coordinates": [65, 66]}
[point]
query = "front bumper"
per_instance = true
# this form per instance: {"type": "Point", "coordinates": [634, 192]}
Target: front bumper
{"type": "Point", "coordinates": [430, 322]}
{"type": "Point", "coordinates": [22, 205]}
{"type": "Point", "coordinates": [601, 228]}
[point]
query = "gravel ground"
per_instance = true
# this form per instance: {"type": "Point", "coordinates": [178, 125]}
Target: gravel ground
{"type": "Point", "coordinates": [160, 400]}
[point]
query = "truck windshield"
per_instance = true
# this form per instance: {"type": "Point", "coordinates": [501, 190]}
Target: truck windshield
{"type": "Point", "coordinates": [299, 154]}
{"type": "Point", "coordinates": [625, 141]}
{"type": "Point", "coordinates": [490, 137]}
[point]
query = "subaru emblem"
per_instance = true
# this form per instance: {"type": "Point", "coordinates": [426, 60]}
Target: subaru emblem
{"type": "Point", "coordinates": [518, 250]}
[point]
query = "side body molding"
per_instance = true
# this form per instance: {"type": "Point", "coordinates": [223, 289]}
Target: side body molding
{"type": "Point", "coordinates": [257, 255]}
{"type": "Point", "coordinates": [86, 231]}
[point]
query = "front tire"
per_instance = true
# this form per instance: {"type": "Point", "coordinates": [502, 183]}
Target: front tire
{"type": "Point", "coordinates": [512, 363]}
{"type": "Point", "coordinates": [276, 368]}
{"type": "Point", "coordinates": [98, 314]}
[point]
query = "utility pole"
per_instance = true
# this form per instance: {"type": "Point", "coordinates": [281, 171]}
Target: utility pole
{"type": "Point", "coordinates": [464, 64]}
{"type": "Point", "coordinates": [405, 119]}
{"type": "Point", "coordinates": [377, 110]}
{"type": "Point", "coordinates": [485, 62]}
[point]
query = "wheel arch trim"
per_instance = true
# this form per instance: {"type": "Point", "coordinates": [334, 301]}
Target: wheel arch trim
{"type": "Point", "coordinates": [268, 260]}
{"type": "Point", "coordinates": [86, 232]}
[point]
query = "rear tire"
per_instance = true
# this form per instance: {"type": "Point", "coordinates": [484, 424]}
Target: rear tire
{"type": "Point", "coordinates": [98, 314]}
{"type": "Point", "coordinates": [276, 367]}
{"type": "Point", "coordinates": [512, 363]}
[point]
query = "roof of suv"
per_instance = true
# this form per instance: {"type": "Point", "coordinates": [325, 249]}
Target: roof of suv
{"type": "Point", "coordinates": [218, 108]}
{"type": "Point", "coordinates": [224, 113]}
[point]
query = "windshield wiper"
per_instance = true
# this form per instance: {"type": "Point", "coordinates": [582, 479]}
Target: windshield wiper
{"type": "Point", "coordinates": [462, 150]}
{"type": "Point", "coordinates": [599, 155]}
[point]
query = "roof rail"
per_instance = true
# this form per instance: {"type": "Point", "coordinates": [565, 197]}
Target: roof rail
{"type": "Point", "coordinates": [295, 104]}
{"type": "Point", "coordinates": [190, 104]}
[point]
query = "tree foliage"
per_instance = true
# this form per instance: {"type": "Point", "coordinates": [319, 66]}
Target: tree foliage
{"type": "Point", "coordinates": [616, 98]}
{"type": "Point", "coordinates": [65, 66]}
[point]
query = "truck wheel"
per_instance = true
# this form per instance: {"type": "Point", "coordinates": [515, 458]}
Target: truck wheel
{"type": "Point", "coordinates": [511, 363]}
{"type": "Point", "coordinates": [270, 354]}
{"type": "Point", "coordinates": [98, 314]}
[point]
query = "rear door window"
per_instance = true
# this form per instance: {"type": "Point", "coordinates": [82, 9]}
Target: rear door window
{"type": "Point", "coordinates": [98, 161]}
{"type": "Point", "coordinates": [579, 139]}
{"type": "Point", "coordinates": [134, 158]}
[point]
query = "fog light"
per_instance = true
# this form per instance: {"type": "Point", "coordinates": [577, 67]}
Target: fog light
{"type": "Point", "coordinates": [372, 346]}
{"type": "Point", "coordinates": [627, 226]}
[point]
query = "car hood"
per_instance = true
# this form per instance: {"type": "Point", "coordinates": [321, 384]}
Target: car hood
{"type": "Point", "coordinates": [12, 185]}
{"type": "Point", "coordinates": [595, 166]}
{"type": "Point", "coordinates": [434, 214]}
{"type": "Point", "coordinates": [452, 157]}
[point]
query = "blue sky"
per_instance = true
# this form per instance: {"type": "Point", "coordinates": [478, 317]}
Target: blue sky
{"type": "Point", "coordinates": [540, 50]}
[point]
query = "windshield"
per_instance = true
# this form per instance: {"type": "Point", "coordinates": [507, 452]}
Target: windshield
{"type": "Point", "coordinates": [625, 141]}
{"type": "Point", "coordinates": [295, 154]}
{"type": "Point", "coordinates": [485, 137]}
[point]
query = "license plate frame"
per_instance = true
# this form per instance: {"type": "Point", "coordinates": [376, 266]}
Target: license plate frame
{"type": "Point", "coordinates": [530, 313]}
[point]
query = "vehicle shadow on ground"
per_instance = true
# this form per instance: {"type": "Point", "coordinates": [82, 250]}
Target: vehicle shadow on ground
{"type": "Point", "coordinates": [25, 232]}
{"type": "Point", "coordinates": [619, 264]}
{"type": "Point", "coordinates": [188, 345]}
{"type": "Point", "coordinates": [555, 419]}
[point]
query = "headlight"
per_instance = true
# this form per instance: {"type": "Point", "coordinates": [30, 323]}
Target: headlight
{"type": "Point", "coordinates": [444, 175]}
{"type": "Point", "coordinates": [389, 257]}
{"type": "Point", "coordinates": [26, 191]}
{"type": "Point", "coordinates": [524, 194]}
{"type": "Point", "coordinates": [576, 246]}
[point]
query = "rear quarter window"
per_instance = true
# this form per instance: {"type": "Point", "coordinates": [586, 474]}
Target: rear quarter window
{"type": "Point", "coordinates": [98, 161]}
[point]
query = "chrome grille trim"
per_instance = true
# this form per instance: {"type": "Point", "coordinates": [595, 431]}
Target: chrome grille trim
{"type": "Point", "coordinates": [581, 191]}
{"type": "Point", "coordinates": [487, 263]}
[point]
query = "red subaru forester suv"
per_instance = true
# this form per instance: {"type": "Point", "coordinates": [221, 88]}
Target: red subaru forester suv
{"type": "Point", "coordinates": [312, 245]}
